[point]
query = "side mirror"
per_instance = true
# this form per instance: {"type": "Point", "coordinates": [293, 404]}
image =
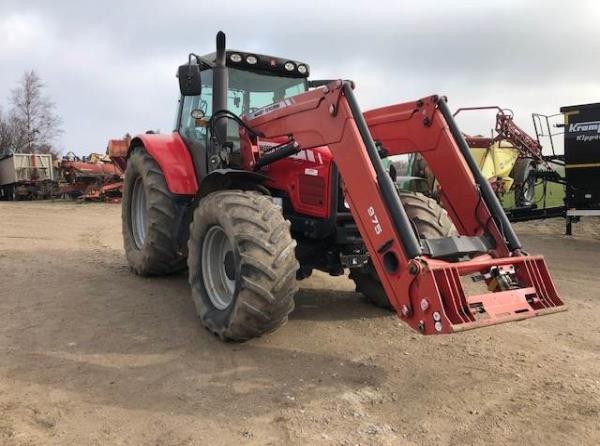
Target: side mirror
{"type": "Point", "coordinates": [190, 83]}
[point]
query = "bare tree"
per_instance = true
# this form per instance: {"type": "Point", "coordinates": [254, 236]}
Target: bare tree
{"type": "Point", "coordinates": [33, 119]}
{"type": "Point", "coordinates": [6, 136]}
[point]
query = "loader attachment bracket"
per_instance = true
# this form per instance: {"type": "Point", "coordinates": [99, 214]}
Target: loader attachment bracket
{"type": "Point", "coordinates": [532, 294]}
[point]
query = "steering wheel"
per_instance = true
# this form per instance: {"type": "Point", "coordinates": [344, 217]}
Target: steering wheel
{"type": "Point", "coordinates": [203, 106]}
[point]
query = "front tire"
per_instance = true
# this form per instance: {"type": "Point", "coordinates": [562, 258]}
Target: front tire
{"type": "Point", "coordinates": [430, 220]}
{"type": "Point", "coordinates": [152, 219]}
{"type": "Point", "coordinates": [242, 264]}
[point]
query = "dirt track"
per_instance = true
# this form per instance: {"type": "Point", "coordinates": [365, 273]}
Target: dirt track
{"type": "Point", "coordinates": [91, 354]}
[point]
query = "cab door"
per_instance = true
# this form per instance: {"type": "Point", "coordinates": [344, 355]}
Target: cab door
{"type": "Point", "coordinates": [193, 116]}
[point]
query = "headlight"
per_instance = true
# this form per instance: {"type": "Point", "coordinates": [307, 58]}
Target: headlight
{"type": "Point", "coordinates": [235, 58]}
{"type": "Point", "coordinates": [302, 69]}
{"type": "Point", "coordinates": [252, 60]}
{"type": "Point", "coordinates": [289, 66]}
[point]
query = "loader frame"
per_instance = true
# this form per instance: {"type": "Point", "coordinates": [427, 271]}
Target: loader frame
{"type": "Point", "coordinates": [422, 278]}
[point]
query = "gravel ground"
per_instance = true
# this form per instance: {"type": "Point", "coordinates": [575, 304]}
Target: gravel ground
{"type": "Point", "coordinates": [91, 354]}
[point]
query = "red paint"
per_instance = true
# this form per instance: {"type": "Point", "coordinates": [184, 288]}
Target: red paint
{"type": "Point", "coordinates": [83, 169]}
{"type": "Point", "coordinates": [117, 150]}
{"type": "Point", "coordinates": [423, 290]}
{"type": "Point", "coordinates": [288, 173]}
{"type": "Point", "coordinates": [506, 130]}
{"type": "Point", "coordinates": [173, 157]}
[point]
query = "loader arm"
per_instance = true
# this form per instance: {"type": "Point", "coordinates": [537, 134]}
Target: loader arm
{"type": "Point", "coordinates": [422, 278]}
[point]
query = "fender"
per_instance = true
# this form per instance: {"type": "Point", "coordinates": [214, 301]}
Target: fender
{"type": "Point", "coordinates": [229, 179]}
{"type": "Point", "coordinates": [520, 170]}
{"type": "Point", "coordinates": [173, 158]}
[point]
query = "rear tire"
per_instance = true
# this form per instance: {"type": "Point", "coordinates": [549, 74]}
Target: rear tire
{"type": "Point", "coordinates": [430, 220]}
{"type": "Point", "coordinates": [151, 219]}
{"type": "Point", "coordinates": [242, 264]}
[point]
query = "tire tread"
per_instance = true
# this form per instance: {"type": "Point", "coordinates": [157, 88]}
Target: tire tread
{"type": "Point", "coordinates": [267, 273]}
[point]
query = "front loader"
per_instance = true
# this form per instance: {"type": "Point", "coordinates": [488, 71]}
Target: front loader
{"type": "Point", "coordinates": [269, 176]}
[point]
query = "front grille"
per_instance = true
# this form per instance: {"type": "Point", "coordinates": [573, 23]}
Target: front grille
{"type": "Point", "coordinates": [312, 190]}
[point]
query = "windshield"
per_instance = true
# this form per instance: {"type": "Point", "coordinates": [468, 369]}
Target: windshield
{"type": "Point", "coordinates": [249, 91]}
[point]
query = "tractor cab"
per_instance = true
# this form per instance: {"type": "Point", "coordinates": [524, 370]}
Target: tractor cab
{"type": "Point", "coordinates": [236, 81]}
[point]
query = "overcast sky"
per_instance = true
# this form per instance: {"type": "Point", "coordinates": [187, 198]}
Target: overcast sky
{"type": "Point", "coordinates": [110, 66]}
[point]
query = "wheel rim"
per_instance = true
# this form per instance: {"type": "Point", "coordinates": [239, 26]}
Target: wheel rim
{"type": "Point", "coordinates": [529, 187]}
{"type": "Point", "coordinates": [218, 267]}
{"type": "Point", "coordinates": [138, 213]}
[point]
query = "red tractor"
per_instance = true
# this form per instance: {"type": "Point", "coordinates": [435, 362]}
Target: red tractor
{"type": "Point", "coordinates": [269, 176]}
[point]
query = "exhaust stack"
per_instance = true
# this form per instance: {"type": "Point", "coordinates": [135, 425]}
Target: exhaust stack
{"type": "Point", "coordinates": [220, 84]}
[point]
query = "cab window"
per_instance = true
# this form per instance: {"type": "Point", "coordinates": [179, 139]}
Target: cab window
{"type": "Point", "coordinates": [248, 91]}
